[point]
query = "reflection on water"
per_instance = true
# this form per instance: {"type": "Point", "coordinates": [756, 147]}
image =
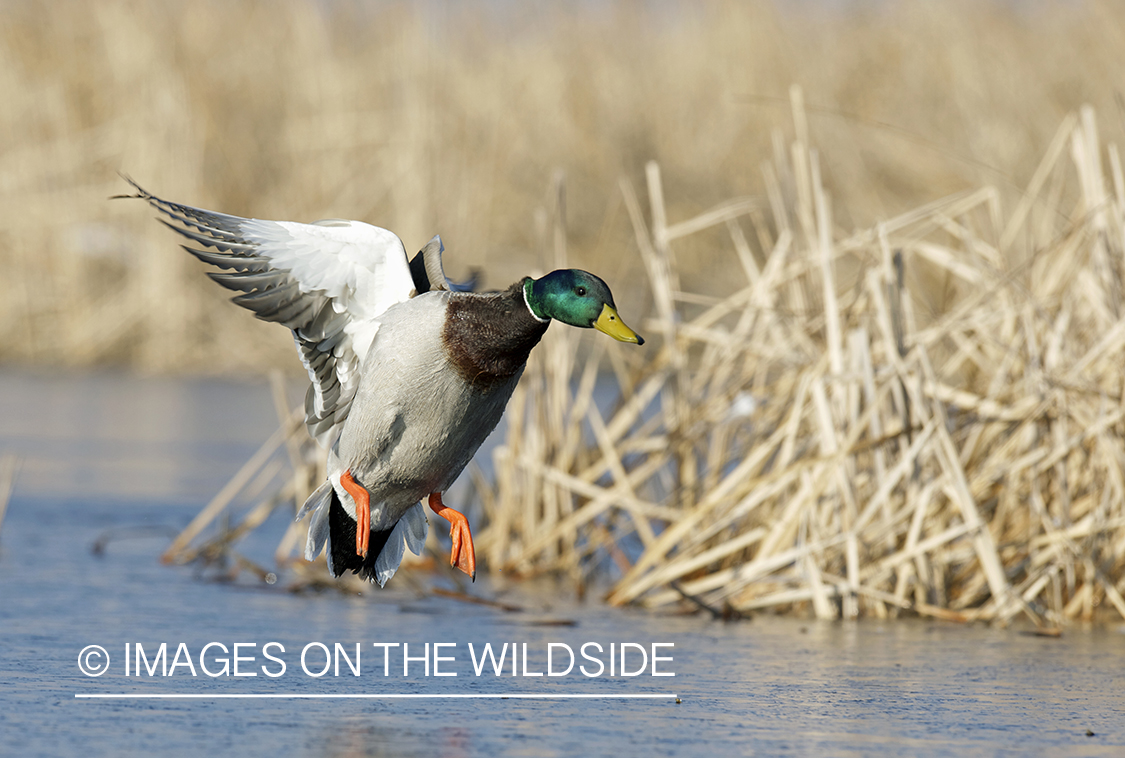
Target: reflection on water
{"type": "Point", "coordinates": [115, 434]}
{"type": "Point", "coordinates": [107, 451]}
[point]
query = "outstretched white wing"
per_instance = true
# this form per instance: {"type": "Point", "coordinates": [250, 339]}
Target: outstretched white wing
{"type": "Point", "coordinates": [327, 281]}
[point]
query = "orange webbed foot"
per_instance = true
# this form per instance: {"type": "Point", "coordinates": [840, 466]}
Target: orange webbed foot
{"type": "Point", "coordinates": [462, 556]}
{"type": "Point", "coordinates": [362, 512]}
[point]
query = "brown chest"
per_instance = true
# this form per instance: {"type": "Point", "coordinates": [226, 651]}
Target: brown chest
{"type": "Point", "coordinates": [487, 338]}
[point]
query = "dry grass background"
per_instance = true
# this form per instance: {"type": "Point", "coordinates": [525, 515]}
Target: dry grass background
{"type": "Point", "coordinates": [888, 303]}
{"type": "Point", "coordinates": [443, 118]}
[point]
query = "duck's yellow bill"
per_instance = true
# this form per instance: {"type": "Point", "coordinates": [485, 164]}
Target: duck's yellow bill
{"type": "Point", "coordinates": [610, 323]}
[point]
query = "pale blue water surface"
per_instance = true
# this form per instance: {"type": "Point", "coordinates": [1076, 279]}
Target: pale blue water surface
{"type": "Point", "coordinates": [101, 452]}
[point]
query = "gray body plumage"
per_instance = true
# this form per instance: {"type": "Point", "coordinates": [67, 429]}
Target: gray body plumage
{"type": "Point", "coordinates": [415, 423]}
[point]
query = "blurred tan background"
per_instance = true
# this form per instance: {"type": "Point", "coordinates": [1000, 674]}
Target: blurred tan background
{"type": "Point", "coordinates": [465, 120]}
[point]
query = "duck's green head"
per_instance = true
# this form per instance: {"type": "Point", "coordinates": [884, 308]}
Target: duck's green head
{"type": "Point", "coordinates": [577, 298]}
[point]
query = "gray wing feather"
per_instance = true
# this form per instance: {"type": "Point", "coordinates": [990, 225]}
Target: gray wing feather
{"type": "Point", "coordinates": [249, 280]}
{"type": "Point", "coordinates": [226, 261]}
{"type": "Point", "coordinates": [274, 293]}
{"type": "Point", "coordinates": [207, 236]}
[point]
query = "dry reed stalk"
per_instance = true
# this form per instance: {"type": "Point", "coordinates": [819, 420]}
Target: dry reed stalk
{"type": "Point", "coordinates": [360, 119]}
{"type": "Point", "coordinates": [925, 415]}
{"type": "Point", "coordinates": [869, 452]}
{"type": "Point", "coordinates": [179, 551]}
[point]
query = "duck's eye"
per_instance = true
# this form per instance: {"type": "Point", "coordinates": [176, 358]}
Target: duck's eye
{"type": "Point", "coordinates": [580, 291]}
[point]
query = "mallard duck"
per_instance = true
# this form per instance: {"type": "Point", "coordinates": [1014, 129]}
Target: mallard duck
{"type": "Point", "coordinates": [409, 372]}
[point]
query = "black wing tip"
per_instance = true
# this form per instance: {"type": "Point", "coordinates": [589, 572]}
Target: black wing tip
{"type": "Point", "coordinates": [142, 193]}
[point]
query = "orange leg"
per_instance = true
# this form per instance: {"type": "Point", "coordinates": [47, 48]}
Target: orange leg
{"type": "Point", "coordinates": [362, 512]}
{"type": "Point", "coordinates": [462, 556]}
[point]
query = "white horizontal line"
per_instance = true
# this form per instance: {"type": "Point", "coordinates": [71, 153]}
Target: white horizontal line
{"type": "Point", "coordinates": [391, 696]}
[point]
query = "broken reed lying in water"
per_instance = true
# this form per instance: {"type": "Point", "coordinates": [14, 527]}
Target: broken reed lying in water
{"type": "Point", "coordinates": [925, 416]}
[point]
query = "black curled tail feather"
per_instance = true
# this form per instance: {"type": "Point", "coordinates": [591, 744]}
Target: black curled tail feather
{"type": "Point", "coordinates": [341, 544]}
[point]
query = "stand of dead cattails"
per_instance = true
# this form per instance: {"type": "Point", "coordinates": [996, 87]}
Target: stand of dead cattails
{"type": "Point", "coordinates": [924, 416]}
